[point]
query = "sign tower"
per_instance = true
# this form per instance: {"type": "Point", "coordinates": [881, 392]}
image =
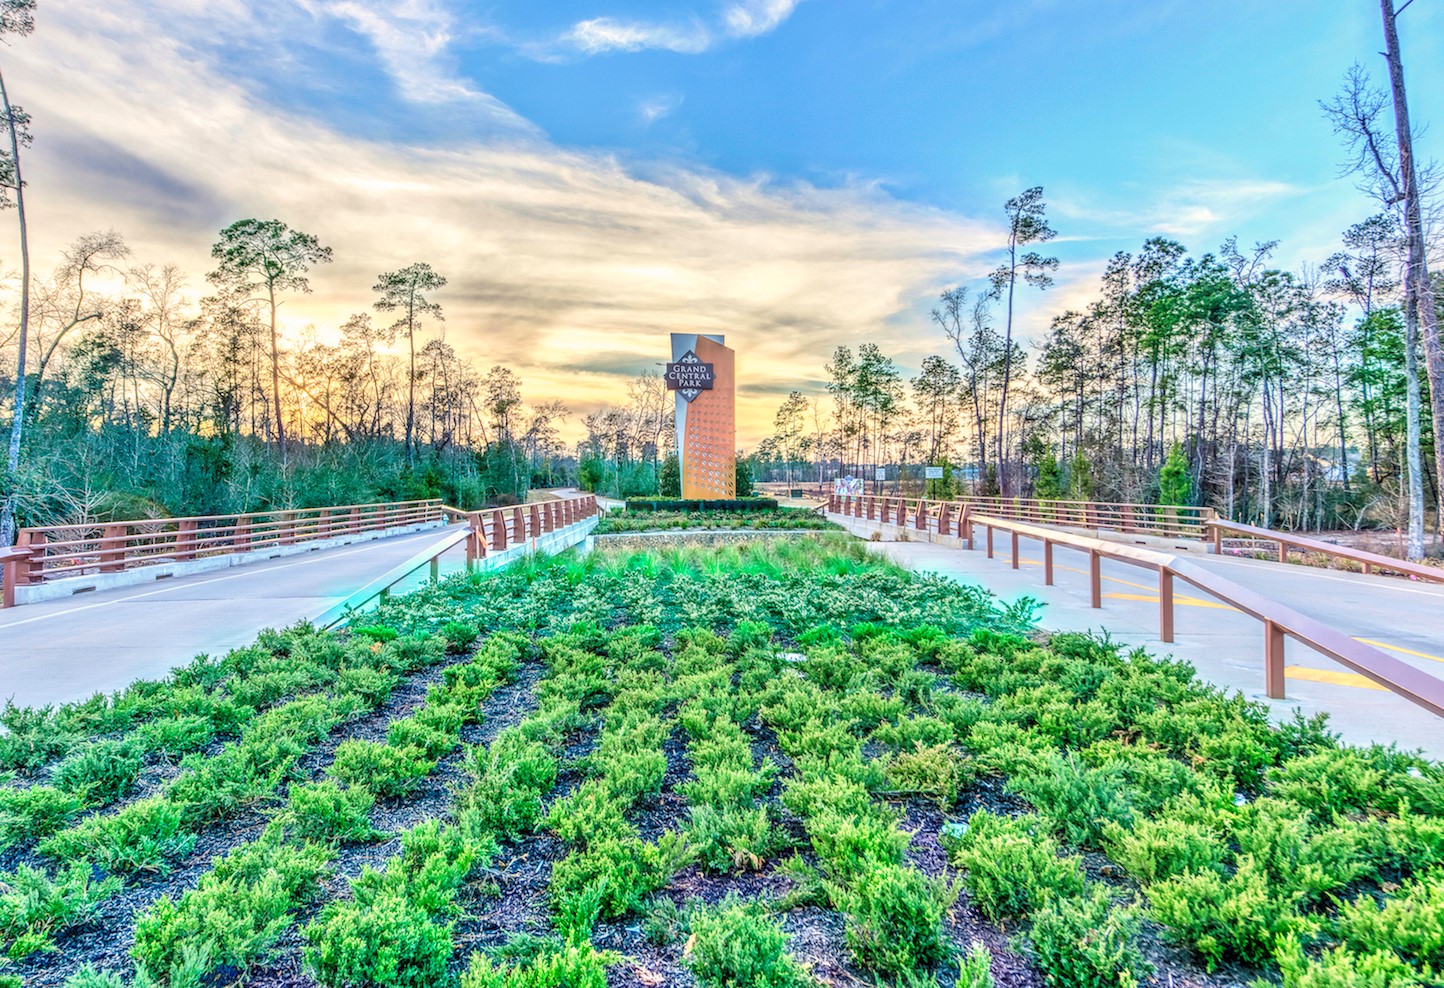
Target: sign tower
{"type": "Point", "coordinates": [701, 372]}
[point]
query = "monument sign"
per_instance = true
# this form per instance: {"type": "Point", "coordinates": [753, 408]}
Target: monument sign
{"type": "Point", "coordinates": [701, 372]}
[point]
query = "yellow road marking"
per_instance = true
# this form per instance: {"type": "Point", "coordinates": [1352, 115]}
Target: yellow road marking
{"type": "Point", "coordinates": [1178, 599]}
{"type": "Point", "coordinates": [1399, 648]}
{"type": "Point", "coordinates": [1330, 676]}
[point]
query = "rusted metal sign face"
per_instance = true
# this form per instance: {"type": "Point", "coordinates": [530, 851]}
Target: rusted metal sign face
{"type": "Point", "coordinates": [690, 376]}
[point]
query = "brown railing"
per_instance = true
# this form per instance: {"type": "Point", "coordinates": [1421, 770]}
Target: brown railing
{"type": "Point", "coordinates": [59, 551]}
{"type": "Point", "coordinates": [516, 525]}
{"type": "Point", "coordinates": [1279, 620]}
{"type": "Point", "coordinates": [1164, 521]}
{"type": "Point", "coordinates": [11, 560]}
{"type": "Point", "coordinates": [1369, 562]}
{"type": "Point", "coordinates": [495, 529]}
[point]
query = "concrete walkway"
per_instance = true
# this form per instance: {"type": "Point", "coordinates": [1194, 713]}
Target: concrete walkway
{"type": "Point", "coordinates": [1400, 617]}
{"type": "Point", "coordinates": [68, 649]}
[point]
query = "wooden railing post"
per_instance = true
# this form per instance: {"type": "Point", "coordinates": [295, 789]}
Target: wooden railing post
{"type": "Point", "coordinates": [965, 525]}
{"type": "Point", "coordinates": [1274, 659]}
{"type": "Point", "coordinates": [518, 524]}
{"type": "Point", "coordinates": [1047, 562]}
{"type": "Point", "coordinates": [112, 548]}
{"type": "Point", "coordinates": [1217, 540]}
{"type": "Point", "coordinates": [990, 539]}
{"type": "Point", "coordinates": [536, 528]}
{"type": "Point", "coordinates": [945, 519]}
{"type": "Point", "coordinates": [1165, 604]}
{"type": "Point", "coordinates": [498, 530]}
{"type": "Point", "coordinates": [1015, 550]}
{"type": "Point", "coordinates": [1095, 578]}
{"type": "Point", "coordinates": [1283, 551]}
{"type": "Point", "coordinates": [921, 521]}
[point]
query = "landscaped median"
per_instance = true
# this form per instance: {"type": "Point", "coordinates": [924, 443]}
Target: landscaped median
{"type": "Point", "coordinates": [775, 764]}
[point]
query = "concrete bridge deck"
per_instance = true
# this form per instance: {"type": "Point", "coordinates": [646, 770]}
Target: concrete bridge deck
{"type": "Point", "coordinates": [1401, 617]}
{"type": "Point", "coordinates": [67, 649]}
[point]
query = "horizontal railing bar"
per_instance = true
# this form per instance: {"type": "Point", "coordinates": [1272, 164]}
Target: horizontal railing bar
{"type": "Point", "coordinates": [1393, 674]}
{"type": "Point", "coordinates": [1303, 542]}
{"type": "Point", "coordinates": [337, 612]}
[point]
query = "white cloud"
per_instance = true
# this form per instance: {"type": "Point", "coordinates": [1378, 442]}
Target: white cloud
{"type": "Point", "coordinates": [411, 37]}
{"type": "Point", "coordinates": [742, 19]}
{"type": "Point", "coordinates": [603, 34]}
{"type": "Point", "coordinates": [750, 18]}
{"type": "Point", "coordinates": [655, 108]}
{"type": "Point", "coordinates": [562, 264]}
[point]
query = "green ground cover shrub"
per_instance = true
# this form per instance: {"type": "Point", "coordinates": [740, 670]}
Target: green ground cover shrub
{"type": "Point", "coordinates": [894, 920]}
{"type": "Point", "coordinates": [34, 907]}
{"type": "Point", "coordinates": [385, 770]}
{"type": "Point", "coordinates": [662, 520]}
{"type": "Point", "coordinates": [1011, 868]}
{"type": "Point", "coordinates": [811, 687]}
{"type": "Point", "coordinates": [740, 945]}
{"type": "Point", "coordinates": [1087, 942]}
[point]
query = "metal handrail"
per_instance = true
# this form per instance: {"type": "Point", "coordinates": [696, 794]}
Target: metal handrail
{"type": "Point", "coordinates": [1369, 561]}
{"type": "Point", "coordinates": [1279, 619]}
{"type": "Point", "coordinates": [1163, 520]}
{"type": "Point", "coordinates": [381, 586]}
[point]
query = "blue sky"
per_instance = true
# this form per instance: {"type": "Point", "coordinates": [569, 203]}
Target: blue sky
{"type": "Point", "coordinates": [799, 174]}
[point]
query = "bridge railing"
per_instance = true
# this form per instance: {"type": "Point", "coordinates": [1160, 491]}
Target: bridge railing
{"type": "Point", "coordinates": [1368, 562]}
{"type": "Point", "coordinates": [1164, 521]}
{"type": "Point", "coordinates": [1279, 620]}
{"type": "Point", "coordinates": [54, 552]}
{"type": "Point", "coordinates": [950, 518]}
{"type": "Point", "coordinates": [496, 529]}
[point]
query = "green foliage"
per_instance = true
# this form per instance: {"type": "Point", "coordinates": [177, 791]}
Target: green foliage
{"type": "Point", "coordinates": [1087, 942]}
{"type": "Point", "coordinates": [1048, 478]}
{"type": "Point", "coordinates": [739, 945]}
{"type": "Point", "coordinates": [326, 813]}
{"type": "Point", "coordinates": [1155, 849]}
{"type": "Point", "coordinates": [388, 942]}
{"type": "Point", "coordinates": [852, 846]}
{"type": "Point", "coordinates": [1010, 868]}
{"type": "Point", "coordinates": [894, 920]}
{"type": "Point", "coordinates": [1242, 917]}
{"type": "Point", "coordinates": [236, 913]}
{"type": "Point", "coordinates": [628, 869]}
{"type": "Point", "coordinates": [147, 835]}
{"type": "Point", "coordinates": [32, 737]}
{"type": "Point", "coordinates": [669, 481]}
{"type": "Point", "coordinates": [1410, 922]}
{"type": "Point", "coordinates": [734, 837]}
{"type": "Point", "coordinates": [1076, 801]}
{"type": "Point", "coordinates": [1340, 967]}
{"type": "Point", "coordinates": [99, 772]}
{"type": "Point", "coordinates": [741, 503]}
{"type": "Point", "coordinates": [571, 966]}
{"type": "Point", "coordinates": [975, 968]}
{"type": "Point", "coordinates": [34, 812]}
{"type": "Point", "coordinates": [1174, 484]}
{"type": "Point", "coordinates": [34, 907]}
{"type": "Point", "coordinates": [935, 771]}
{"type": "Point", "coordinates": [510, 779]}
{"type": "Point", "coordinates": [386, 771]}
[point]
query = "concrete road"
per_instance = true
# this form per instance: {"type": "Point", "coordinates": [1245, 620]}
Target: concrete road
{"type": "Point", "coordinates": [68, 649]}
{"type": "Point", "coordinates": [1400, 617]}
